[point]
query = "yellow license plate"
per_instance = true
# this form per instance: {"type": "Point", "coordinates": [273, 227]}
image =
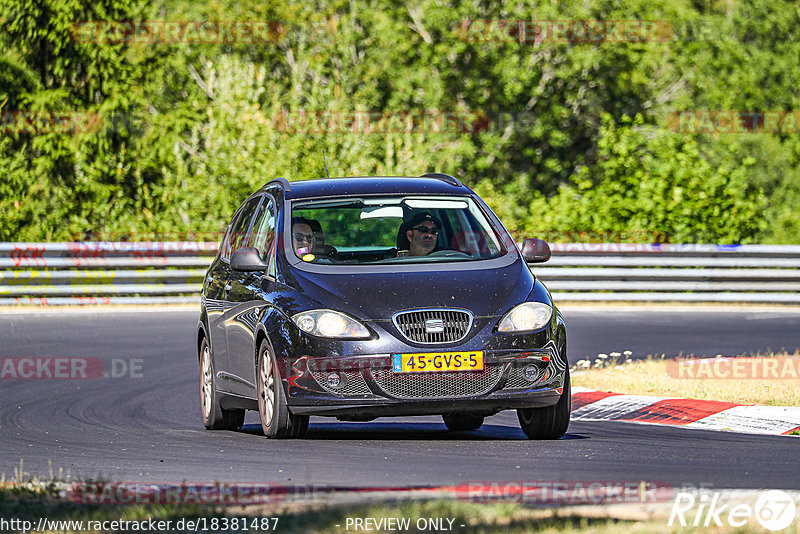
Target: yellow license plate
{"type": "Point", "coordinates": [438, 362]}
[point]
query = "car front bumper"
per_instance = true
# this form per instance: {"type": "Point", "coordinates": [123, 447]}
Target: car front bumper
{"type": "Point", "coordinates": [366, 386]}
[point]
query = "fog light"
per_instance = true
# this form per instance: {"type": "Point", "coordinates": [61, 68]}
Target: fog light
{"type": "Point", "coordinates": [530, 372]}
{"type": "Point", "coordinates": [306, 323]}
{"type": "Point", "coordinates": [335, 380]}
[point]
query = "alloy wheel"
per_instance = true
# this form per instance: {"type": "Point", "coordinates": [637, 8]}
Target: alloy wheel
{"type": "Point", "coordinates": [205, 388]}
{"type": "Point", "coordinates": [268, 390]}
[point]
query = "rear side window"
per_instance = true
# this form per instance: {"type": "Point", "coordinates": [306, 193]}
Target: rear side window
{"type": "Point", "coordinates": [237, 231]}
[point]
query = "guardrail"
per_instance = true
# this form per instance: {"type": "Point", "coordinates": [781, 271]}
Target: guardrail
{"type": "Point", "coordinates": [103, 272]}
{"type": "Point", "coordinates": [686, 273]}
{"type": "Point", "coordinates": [172, 272]}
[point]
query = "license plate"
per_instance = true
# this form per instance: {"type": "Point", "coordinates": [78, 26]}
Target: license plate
{"type": "Point", "coordinates": [438, 362]}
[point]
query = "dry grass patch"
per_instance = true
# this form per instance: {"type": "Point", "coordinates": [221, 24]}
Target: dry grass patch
{"type": "Point", "coordinates": [652, 376]}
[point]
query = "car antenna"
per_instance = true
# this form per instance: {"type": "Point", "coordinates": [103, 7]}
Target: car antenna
{"type": "Point", "coordinates": [326, 164]}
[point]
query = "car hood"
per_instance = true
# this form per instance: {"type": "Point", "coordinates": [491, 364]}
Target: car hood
{"type": "Point", "coordinates": [377, 296]}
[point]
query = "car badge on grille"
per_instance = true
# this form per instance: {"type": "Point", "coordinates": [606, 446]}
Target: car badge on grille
{"type": "Point", "coordinates": [434, 326]}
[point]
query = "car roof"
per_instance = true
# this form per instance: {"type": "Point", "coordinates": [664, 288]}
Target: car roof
{"type": "Point", "coordinates": [372, 185]}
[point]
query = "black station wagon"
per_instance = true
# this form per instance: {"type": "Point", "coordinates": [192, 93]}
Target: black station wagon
{"type": "Point", "coordinates": [367, 297]}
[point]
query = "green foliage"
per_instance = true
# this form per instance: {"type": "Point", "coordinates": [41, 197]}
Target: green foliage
{"type": "Point", "coordinates": [652, 186]}
{"type": "Point", "coordinates": [187, 130]}
{"type": "Point", "coordinates": [59, 185]}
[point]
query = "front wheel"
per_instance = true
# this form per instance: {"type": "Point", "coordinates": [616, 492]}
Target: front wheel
{"type": "Point", "coordinates": [276, 421]}
{"type": "Point", "coordinates": [550, 422]}
{"type": "Point", "coordinates": [214, 417]}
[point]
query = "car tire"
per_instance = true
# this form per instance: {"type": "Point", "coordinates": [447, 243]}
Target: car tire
{"type": "Point", "coordinates": [276, 421]}
{"type": "Point", "coordinates": [462, 421]}
{"type": "Point", "coordinates": [550, 422]}
{"type": "Point", "coordinates": [214, 417]}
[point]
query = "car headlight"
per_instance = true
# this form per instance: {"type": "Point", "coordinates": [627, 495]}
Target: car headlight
{"type": "Point", "coordinates": [329, 323]}
{"type": "Point", "coordinates": [526, 316]}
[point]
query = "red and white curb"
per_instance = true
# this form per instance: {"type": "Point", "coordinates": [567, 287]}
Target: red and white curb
{"type": "Point", "coordinates": [590, 405]}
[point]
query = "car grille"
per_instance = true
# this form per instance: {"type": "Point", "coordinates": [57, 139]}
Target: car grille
{"type": "Point", "coordinates": [354, 383]}
{"type": "Point", "coordinates": [434, 326]}
{"type": "Point", "coordinates": [438, 385]}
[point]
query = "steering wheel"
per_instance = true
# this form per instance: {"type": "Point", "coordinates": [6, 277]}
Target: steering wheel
{"type": "Point", "coordinates": [449, 254]}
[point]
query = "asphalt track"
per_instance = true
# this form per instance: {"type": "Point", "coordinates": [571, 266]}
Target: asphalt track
{"type": "Point", "coordinates": [147, 427]}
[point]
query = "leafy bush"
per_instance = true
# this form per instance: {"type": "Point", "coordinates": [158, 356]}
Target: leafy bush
{"type": "Point", "coordinates": [653, 186]}
{"type": "Point", "coordinates": [187, 130]}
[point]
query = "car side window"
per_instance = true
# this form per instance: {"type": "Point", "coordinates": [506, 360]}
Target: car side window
{"type": "Point", "coordinates": [263, 233]}
{"type": "Point", "coordinates": [225, 248]}
{"type": "Point", "coordinates": [237, 231]}
{"type": "Point", "coordinates": [239, 237]}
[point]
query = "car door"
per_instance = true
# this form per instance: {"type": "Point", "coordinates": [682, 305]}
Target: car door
{"type": "Point", "coordinates": [218, 324]}
{"type": "Point", "coordinates": [217, 285]}
{"type": "Point", "coordinates": [247, 302]}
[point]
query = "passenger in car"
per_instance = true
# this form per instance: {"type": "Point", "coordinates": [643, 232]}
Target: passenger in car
{"type": "Point", "coordinates": [307, 236]}
{"type": "Point", "coordinates": [319, 246]}
{"type": "Point", "coordinates": [302, 236]}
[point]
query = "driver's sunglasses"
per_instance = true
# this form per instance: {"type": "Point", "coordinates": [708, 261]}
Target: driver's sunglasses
{"type": "Point", "coordinates": [426, 229]}
{"type": "Point", "coordinates": [304, 238]}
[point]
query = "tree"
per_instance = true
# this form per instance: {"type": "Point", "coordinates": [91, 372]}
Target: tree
{"type": "Point", "coordinates": [652, 186]}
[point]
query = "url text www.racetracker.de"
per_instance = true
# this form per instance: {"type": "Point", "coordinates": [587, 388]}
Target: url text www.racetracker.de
{"type": "Point", "coordinates": [197, 524]}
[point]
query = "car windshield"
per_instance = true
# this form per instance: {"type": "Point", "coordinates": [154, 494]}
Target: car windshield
{"type": "Point", "coordinates": [392, 229]}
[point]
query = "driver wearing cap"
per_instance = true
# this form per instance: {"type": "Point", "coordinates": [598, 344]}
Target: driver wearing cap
{"type": "Point", "coordinates": [422, 234]}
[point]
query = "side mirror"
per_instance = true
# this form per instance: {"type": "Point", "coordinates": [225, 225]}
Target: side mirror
{"type": "Point", "coordinates": [535, 250]}
{"type": "Point", "coordinates": [248, 259]}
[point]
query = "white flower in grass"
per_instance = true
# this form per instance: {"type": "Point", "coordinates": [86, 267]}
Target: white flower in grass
{"type": "Point", "coordinates": [615, 355]}
{"type": "Point", "coordinates": [602, 356]}
{"type": "Point", "coordinates": [627, 353]}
